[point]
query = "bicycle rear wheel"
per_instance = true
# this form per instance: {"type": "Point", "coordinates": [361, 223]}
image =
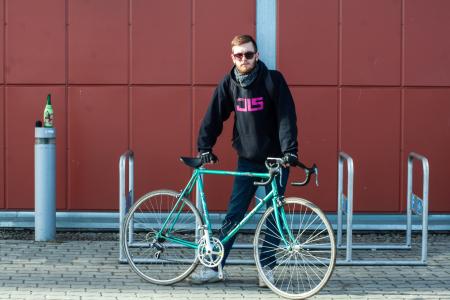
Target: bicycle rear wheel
{"type": "Point", "coordinates": [301, 268]}
{"type": "Point", "coordinates": [156, 259]}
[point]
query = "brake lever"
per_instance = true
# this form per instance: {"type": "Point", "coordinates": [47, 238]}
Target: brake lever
{"type": "Point", "coordinates": [263, 183]}
{"type": "Point", "coordinates": [316, 171]}
{"type": "Point", "coordinates": [273, 170]}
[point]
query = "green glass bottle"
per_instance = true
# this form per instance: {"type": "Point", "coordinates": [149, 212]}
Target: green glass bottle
{"type": "Point", "coordinates": [48, 112]}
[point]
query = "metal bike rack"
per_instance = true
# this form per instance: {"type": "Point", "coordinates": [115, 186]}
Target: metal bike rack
{"type": "Point", "coordinates": [415, 204]}
{"type": "Point", "coordinates": [126, 198]}
{"type": "Point", "coordinates": [345, 203]}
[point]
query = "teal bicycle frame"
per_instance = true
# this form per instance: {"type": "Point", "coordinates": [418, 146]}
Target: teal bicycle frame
{"type": "Point", "coordinates": [273, 195]}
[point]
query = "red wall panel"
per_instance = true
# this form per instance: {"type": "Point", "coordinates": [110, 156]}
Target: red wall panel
{"type": "Point", "coordinates": [161, 121]}
{"type": "Point", "coordinates": [161, 41]}
{"type": "Point", "coordinates": [2, 178]}
{"type": "Point", "coordinates": [308, 41]}
{"type": "Point", "coordinates": [370, 134]}
{"type": "Point", "coordinates": [25, 105]}
{"type": "Point", "coordinates": [38, 56]}
{"type": "Point", "coordinates": [214, 28]}
{"type": "Point", "coordinates": [217, 188]}
{"type": "Point", "coordinates": [2, 148]}
{"type": "Point", "coordinates": [317, 113]}
{"type": "Point", "coordinates": [2, 41]}
{"type": "Point", "coordinates": [427, 132]}
{"type": "Point", "coordinates": [98, 41]}
{"type": "Point", "coordinates": [98, 135]}
{"type": "Point", "coordinates": [427, 47]}
{"type": "Point", "coordinates": [371, 41]}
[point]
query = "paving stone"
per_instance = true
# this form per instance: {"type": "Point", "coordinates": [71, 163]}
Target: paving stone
{"type": "Point", "coordinates": [85, 270]}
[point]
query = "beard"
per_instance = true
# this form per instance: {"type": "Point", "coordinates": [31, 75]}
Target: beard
{"type": "Point", "coordinates": [244, 69]}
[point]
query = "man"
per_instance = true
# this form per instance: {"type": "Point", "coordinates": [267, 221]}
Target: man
{"type": "Point", "coordinates": [264, 126]}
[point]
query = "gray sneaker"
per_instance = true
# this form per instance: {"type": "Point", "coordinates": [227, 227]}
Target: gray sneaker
{"type": "Point", "coordinates": [269, 275]}
{"type": "Point", "coordinates": [204, 275]}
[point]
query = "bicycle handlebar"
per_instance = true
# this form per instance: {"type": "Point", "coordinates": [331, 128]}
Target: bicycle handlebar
{"type": "Point", "coordinates": [273, 164]}
{"type": "Point", "coordinates": [268, 181]}
{"type": "Point", "coordinates": [308, 171]}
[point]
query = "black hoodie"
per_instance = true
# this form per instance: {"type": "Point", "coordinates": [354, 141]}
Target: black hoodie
{"type": "Point", "coordinates": [264, 119]}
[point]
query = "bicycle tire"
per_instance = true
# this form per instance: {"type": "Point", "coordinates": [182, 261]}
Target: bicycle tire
{"type": "Point", "coordinates": [302, 268]}
{"type": "Point", "coordinates": [174, 261]}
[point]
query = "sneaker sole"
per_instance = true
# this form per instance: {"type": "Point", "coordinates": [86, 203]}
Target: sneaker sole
{"type": "Point", "coordinates": [262, 284]}
{"type": "Point", "coordinates": [212, 280]}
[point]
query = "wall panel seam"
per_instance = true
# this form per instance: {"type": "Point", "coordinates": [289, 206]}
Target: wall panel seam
{"type": "Point", "coordinates": [129, 75]}
{"type": "Point", "coordinates": [192, 114]}
{"type": "Point", "coordinates": [4, 104]}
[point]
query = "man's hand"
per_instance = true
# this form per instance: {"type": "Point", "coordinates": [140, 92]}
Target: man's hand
{"type": "Point", "coordinates": [289, 159]}
{"type": "Point", "coordinates": [208, 157]}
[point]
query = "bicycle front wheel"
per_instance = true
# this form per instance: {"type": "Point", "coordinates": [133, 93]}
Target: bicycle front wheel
{"type": "Point", "coordinates": [301, 267]}
{"type": "Point", "coordinates": [161, 257]}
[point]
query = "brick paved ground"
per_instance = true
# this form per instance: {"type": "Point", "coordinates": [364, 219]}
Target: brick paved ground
{"type": "Point", "coordinates": [85, 270]}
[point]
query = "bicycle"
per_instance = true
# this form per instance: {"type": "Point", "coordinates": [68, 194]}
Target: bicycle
{"type": "Point", "coordinates": [166, 237]}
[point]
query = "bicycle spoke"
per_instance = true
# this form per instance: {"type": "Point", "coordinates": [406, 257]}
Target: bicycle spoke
{"type": "Point", "coordinates": [300, 230]}
{"type": "Point", "coordinates": [283, 267]}
{"type": "Point", "coordinates": [313, 270]}
{"type": "Point", "coordinates": [321, 262]}
{"type": "Point", "coordinates": [313, 237]}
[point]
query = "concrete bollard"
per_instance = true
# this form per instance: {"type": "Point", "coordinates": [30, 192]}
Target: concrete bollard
{"type": "Point", "coordinates": [45, 184]}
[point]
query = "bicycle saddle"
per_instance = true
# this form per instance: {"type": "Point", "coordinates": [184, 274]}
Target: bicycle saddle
{"type": "Point", "coordinates": [193, 162]}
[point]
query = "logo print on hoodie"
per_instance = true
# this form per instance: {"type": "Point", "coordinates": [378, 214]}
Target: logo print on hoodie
{"type": "Point", "coordinates": [250, 104]}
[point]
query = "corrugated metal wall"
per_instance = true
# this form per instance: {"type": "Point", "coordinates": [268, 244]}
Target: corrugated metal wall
{"type": "Point", "coordinates": [369, 77]}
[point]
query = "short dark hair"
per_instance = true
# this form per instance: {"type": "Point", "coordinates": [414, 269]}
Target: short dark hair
{"type": "Point", "coordinates": [242, 39]}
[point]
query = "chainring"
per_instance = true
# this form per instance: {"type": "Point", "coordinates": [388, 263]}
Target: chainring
{"type": "Point", "coordinates": [214, 257]}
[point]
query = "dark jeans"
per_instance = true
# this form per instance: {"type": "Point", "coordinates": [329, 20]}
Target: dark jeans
{"type": "Point", "coordinates": [241, 197]}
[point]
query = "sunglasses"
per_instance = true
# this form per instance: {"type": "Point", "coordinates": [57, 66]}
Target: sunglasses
{"type": "Point", "coordinates": [248, 55]}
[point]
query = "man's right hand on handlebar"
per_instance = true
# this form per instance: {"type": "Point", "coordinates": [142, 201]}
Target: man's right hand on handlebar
{"type": "Point", "coordinates": [208, 157]}
{"type": "Point", "coordinates": [289, 159]}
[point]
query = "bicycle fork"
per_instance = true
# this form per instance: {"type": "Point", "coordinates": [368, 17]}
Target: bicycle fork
{"type": "Point", "coordinates": [280, 218]}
